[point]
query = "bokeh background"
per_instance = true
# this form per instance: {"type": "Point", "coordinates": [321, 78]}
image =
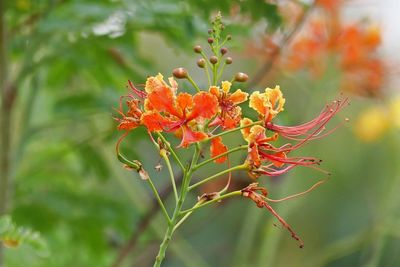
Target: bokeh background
{"type": "Point", "coordinates": [65, 199]}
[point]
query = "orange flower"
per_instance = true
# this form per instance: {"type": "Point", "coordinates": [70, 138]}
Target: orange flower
{"type": "Point", "coordinates": [229, 113]}
{"type": "Point", "coordinates": [167, 111]}
{"type": "Point", "coordinates": [265, 159]}
{"type": "Point", "coordinates": [217, 148]}
{"type": "Point", "coordinates": [267, 104]}
{"type": "Point", "coordinates": [131, 119]}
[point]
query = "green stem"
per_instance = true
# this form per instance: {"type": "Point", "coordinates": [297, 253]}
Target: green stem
{"type": "Point", "coordinates": [231, 131]}
{"type": "Point", "coordinates": [208, 65]}
{"type": "Point", "coordinates": [172, 151]}
{"type": "Point", "coordinates": [214, 74]}
{"type": "Point", "coordinates": [221, 71]}
{"type": "Point", "coordinates": [197, 206]}
{"type": "Point", "coordinates": [171, 174]}
{"type": "Point", "coordinates": [159, 200]}
{"type": "Point", "coordinates": [220, 155]}
{"type": "Point", "coordinates": [177, 212]}
{"type": "Point", "coordinates": [238, 167]}
{"type": "Point", "coordinates": [193, 83]}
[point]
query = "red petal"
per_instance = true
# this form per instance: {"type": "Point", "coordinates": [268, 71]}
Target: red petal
{"type": "Point", "coordinates": [184, 101]}
{"type": "Point", "coordinates": [217, 148]}
{"type": "Point", "coordinates": [189, 136]}
{"type": "Point", "coordinates": [155, 122]}
{"type": "Point", "coordinates": [205, 106]}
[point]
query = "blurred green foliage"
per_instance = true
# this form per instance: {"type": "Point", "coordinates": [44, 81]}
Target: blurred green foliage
{"type": "Point", "coordinates": [69, 62]}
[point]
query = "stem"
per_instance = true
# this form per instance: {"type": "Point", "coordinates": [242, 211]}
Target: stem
{"type": "Point", "coordinates": [231, 131]}
{"type": "Point", "coordinates": [214, 74]}
{"type": "Point", "coordinates": [172, 151]}
{"type": "Point", "coordinates": [171, 174]}
{"type": "Point", "coordinates": [159, 200]}
{"type": "Point", "coordinates": [238, 167]}
{"type": "Point", "coordinates": [195, 207]}
{"type": "Point", "coordinates": [193, 83]}
{"type": "Point", "coordinates": [220, 155]}
{"type": "Point", "coordinates": [208, 64]}
{"type": "Point", "coordinates": [177, 212]}
{"type": "Point", "coordinates": [221, 71]}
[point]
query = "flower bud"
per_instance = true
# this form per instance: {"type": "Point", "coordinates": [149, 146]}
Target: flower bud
{"type": "Point", "coordinates": [197, 49]}
{"type": "Point", "coordinates": [224, 50]}
{"type": "Point", "coordinates": [180, 73]}
{"type": "Point", "coordinates": [210, 31]}
{"type": "Point", "coordinates": [210, 40]}
{"type": "Point", "coordinates": [228, 61]}
{"type": "Point", "coordinates": [229, 37]}
{"type": "Point", "coordinates": [213, 60]}
{"type": "Point", "coordinates": [241, 77]}
{"type": "Point", "coordinates": [201, 63]}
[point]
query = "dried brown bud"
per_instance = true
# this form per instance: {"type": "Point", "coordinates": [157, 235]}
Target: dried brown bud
{"type": "Point", "coordinates": [197, 49]}
{"type": "Point", "coordinates": [210, 40]}
{"type": "Point", "coordinates": [228, 61]}
{"type": "Point", "coordinates": [213, 60]}
{"type": "Point", "coordinates": [201, 63]}
{"type": "Point", "coordinates": [224, 50]}
{"type": "Point", "coordinates": [241, 77]}
{"type": "Point", "coordinates": [180, 73]}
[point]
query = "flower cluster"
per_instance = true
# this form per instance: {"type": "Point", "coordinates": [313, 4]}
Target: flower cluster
{"type": "Point", "coordinates": [326, 40]}
{"type": "Point", "coordinates": [206, 116]}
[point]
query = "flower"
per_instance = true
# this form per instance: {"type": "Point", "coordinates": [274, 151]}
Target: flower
{"type": "Point", "coordinates": [131, 119]}
{"type": "Point", "coordinates": [229, 113]}
{"type": "Point", "coordinates": [182, 113]}
{"type": "Point", "coordinates": [265, 159]}
{"type": "Point", "coordinates": [258, 196]}
{"type": "Point", "coordinates": [267, 104]}
{"type": "Point", "coordinates": [217, 148]}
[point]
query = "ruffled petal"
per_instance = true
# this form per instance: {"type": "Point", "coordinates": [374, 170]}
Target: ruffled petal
{"type": "Point", "coordinates": [245, 131]}
{"type": "Point", "coordinates": [162, 100]}
{"type": "Point", "coordinates": [217, 148]}
{"type": "Point", "coordinates": [275, 100]}
{"type": "Point", "coordinates": [154, 83]}
{"type": "Point", "coordinates": [205, 106]}
{"type": "Point", "coordinates": [189, 136]}
{"type": "Point", "coordinates": [155, 122]}
{"type": "Point", "coordinates": [238, 97]}
{"type": "Point", "coordinates": [226, 86]}
{"type": "Point", "coordinates": [214, 90]}
{"type": "Point", "coordinates": [257, 102]}
{"type": "Point", "coordinates": [257, 133]}
{"type": "Point", "coordinates": [184, 101]}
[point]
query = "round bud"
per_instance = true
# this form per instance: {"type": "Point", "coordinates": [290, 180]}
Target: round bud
{"type": "Point", "coordinates": [180, 73]}
{"type": "Point", "coordinates": [201, 63]}
{"type": "Point", "coordinates": [229, 37]}
{"type": "Point", "coordinates": [228, 61]}
{"type": "Point", "coordinates": [213, 60]}
{"type": "Point", "coordinates": [241, 77]}
{"type": "Point", "coordinates": [197, 49]}
{"type": "Point", "coordinates": [210, 31]}
{"type": "Point", "coordinates": [210, 40]}
{"type": "Point", "coordinates": [224, 50]}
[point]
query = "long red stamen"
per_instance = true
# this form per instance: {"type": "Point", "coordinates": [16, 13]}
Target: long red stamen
{"type": "Point", "coordinates": [310, 130]}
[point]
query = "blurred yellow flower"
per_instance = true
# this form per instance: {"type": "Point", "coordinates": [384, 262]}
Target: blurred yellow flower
{"type": "Point", "coordinates": [372, 123]}
{"type": "Point", "coordinates": [395, 112]}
